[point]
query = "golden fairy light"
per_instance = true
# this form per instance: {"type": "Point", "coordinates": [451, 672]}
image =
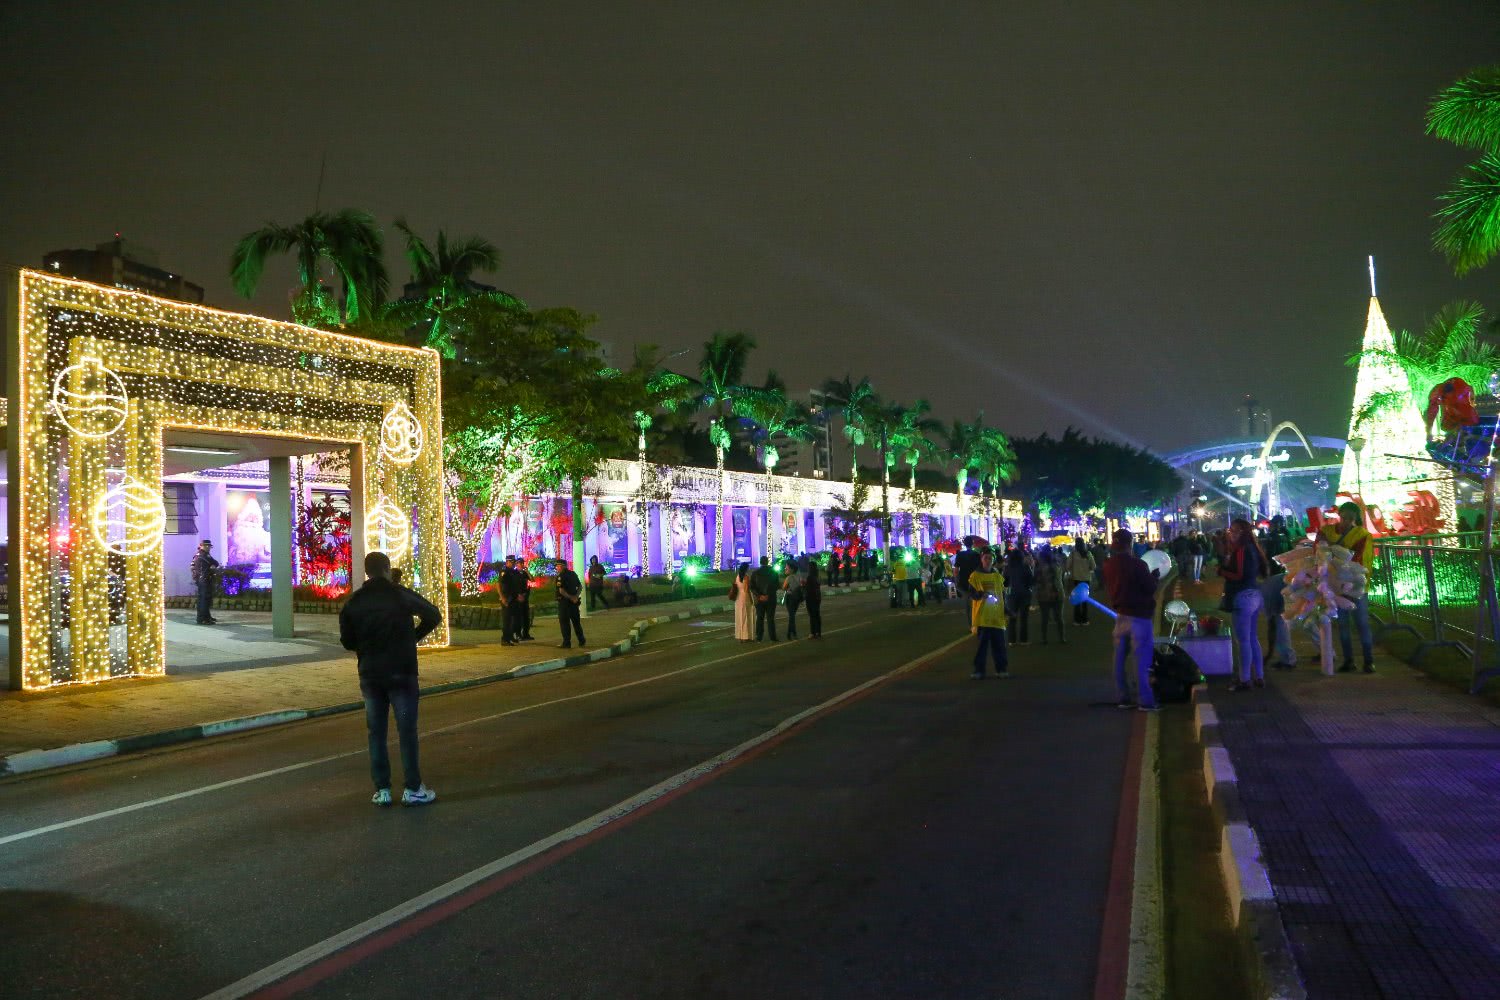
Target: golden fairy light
{"type": "Point", "coordinates": [129, 519]}
{"type": "Point", "coordinates": [400, 435]}
{"type": "Point", "coordinates": [104, 374]}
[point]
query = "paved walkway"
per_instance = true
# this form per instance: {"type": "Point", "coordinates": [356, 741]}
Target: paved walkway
{"type": "Point", "coordinates": [36, 720]}
{"type": "Point", "coordinates": [1376, 799]}
{"type": "Point", "coordinates": [197, 693]}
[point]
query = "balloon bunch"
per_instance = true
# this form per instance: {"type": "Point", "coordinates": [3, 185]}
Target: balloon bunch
{"type": "Point", "coordinates": [1321, 582]}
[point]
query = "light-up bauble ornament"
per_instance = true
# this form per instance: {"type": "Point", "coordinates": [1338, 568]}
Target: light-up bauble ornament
{"type": "Point", "coordinates": [401, 435]}
{"type": "Point", "coordinates": [388, 529]}
{"type": "Point", "coordinates": [89, 399]}
{"type": "Point", "coordinates": [130, 519]}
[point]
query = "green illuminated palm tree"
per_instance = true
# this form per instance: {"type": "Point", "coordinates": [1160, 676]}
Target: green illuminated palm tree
{"type": "Point", "coordinates": [774, 415]}
{"type": "Point", "coordinates": [444, 273]}
{"type": "Point", "coordinates": [721, 373]}
{"type": "Point", "coordinates": [883, 421]}
{"type": "Point", "coordinates": [347, 242]}
{"type": "Point", "coordinates": [960, 444]}
{"type": "Point", "coordinates": [663, 391]}
{"type": "Point", "coordinates": [997, 466]}
{"type": "Point", "coordinates": [1467, 113]}
{"type": "Point", "coordinates": [852, 400]}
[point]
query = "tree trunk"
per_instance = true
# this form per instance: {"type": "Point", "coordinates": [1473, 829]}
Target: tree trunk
{"type": "Point", "coordinates": [643, 516]}
{"type": "Point", "coordinates": [719, 512]}
{"type": "Point", "coordinates": [469, 574]}
{"type": "Point", "coordinates": [771, 529]}
{"type": "Point", "coordinates": [580, 530]}
{"type": "Point", "coordinates": [885, 503]}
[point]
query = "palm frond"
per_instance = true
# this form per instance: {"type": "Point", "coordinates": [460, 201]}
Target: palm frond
{"type": "Point", "coordinates": [418, 255]}
{"type": "Point", "coordinates": [248, 260]}
{"type": "Point", "coordinates": [1467, 112]}
{"type": "Point", "coordinates": [1468, 232]}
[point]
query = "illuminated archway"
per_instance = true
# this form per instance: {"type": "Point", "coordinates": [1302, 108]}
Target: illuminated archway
{"type": "Point", "coordinates": [1273, 493]}
{"type": "Point", "coordinates": [98, 375]}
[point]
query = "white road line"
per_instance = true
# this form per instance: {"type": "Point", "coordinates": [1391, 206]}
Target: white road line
{"type": "Point", "coordinates": [221, 785]}
{"type": "Point", "coordinates": [176, 796]}
{"type": "Point", "coordinates": [611, 814]}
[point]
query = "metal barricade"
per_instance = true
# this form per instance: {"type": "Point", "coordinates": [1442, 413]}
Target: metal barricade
{"type": "Point", "coordinates": [1433, 587]}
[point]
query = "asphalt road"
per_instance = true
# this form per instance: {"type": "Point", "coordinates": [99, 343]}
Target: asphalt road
{"type": "Point", "coordinates": [928, 836]}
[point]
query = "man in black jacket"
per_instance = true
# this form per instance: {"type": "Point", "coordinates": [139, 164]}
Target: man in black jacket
{"type": "Point", "coordinates": [569, 594]}
{"type": "Point", "coordinates": [513, 597]}
{"type": "Point", "coordinates": [763, 586]}
{"type": "Point", "coordinates": [205, 570]}
{"type": "Point", "coordinates": [377, 624]}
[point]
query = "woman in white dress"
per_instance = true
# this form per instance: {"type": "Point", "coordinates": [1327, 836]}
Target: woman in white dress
{"type": "Point", "coordinates": [744, 610]}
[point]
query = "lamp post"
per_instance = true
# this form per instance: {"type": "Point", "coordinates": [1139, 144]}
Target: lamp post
{"type": "Point", "coordinates": [1357, 445]}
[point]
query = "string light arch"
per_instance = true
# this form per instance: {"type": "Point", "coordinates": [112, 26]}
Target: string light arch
{"type": "Point", "coordinates": [87, 590]}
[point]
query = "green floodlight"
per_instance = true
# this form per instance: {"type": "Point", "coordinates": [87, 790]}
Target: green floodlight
{"type": "Point", "coordinates": [908, 557]}
{"type": "Point", "coordinates": [691, 572]}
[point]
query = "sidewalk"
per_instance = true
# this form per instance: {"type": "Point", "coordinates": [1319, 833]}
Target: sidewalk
{"type": "Point", "coordinates": [1375, 802]}
{"type": "Point", "coordinates": [121, 716]}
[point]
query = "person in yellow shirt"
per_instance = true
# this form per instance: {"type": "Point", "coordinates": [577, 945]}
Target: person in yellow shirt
{"type": "Point", "coordinates": [899, 592]}
{"type": "Point", "coordinates": [1350, 534]}
{"type": "Point", "coordinates": [987, 616]}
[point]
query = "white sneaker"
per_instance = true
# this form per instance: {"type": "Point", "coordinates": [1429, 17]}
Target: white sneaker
{"type": "Point", "coordinates": [420, 797]}
{"type": "Point", "coordinates": [382, 797]}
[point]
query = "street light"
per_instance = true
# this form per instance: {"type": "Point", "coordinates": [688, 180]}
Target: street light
{"type": "Point", "coordinates": [1357, 445]}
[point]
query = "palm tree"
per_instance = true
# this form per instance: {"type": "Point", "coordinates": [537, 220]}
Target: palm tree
{"type": "Point", "coordinates": [347, 241]}
{"type": "Point", "coordinates": [667, 392]}
{"type": "Point", "coordinates": [997, 466]}
{"type": "Point", "coordinates": [720, 374]}
{"type": "Point", "coordinates": [961, 447]}
{"type": "Point", "coordinates": [883, 420]}
{"type": "Point", "coordinates": [1467, 113]}
{"type": "Point", "coordinates": [852, 399]}
{"type": "Point", "coordinates": [913, 444]}
{"type": "Point", "coordinates": [443, 278]}
{"type": "Point", "coordinates": [775, 415]}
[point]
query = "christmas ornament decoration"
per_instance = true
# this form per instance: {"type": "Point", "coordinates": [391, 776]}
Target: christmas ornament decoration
{"type": "Point", "coordinates": [401, 435]}
{"type": "Point", "coordinates": [388, 529]}
{"type": "Point", "coordinates": [89, 399]}
{"type": "Point", "coordinates": [129, 519]}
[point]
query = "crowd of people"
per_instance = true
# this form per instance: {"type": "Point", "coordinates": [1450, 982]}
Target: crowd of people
{"type": "Point", "coordinates": [383, 621]}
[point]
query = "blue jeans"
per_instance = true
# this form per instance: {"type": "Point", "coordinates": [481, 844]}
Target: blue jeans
{"type": "Point", "coordinates": [205, 601]}
{"type": "Point", "coordinates": [400, 694]}
{"type": "Point", "coordinates": [1134, 635]}
{"type": "Point", "coordinates": [1359, 614]}
{"type": "Point", "coordinates": [991, 642]}
{"type": "Point", "coordinates": [1282, 640]}
{"type": "Point", "coordinates": [1247, 605]}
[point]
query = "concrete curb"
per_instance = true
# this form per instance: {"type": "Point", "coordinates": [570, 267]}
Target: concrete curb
{"type": "Point", "coordinates": [31, 761]}
{"type": "Point", "coordinates": [1271, 965]}
{"type": "Point", "coordinates": [1146, 969]}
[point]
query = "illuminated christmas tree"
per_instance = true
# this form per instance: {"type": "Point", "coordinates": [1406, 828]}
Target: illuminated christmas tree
{"type": "Point", "coordinates": [1388, 467]}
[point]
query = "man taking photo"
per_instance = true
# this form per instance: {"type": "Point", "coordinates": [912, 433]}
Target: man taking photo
{"type": "Point", "coordinates": [382, 624]}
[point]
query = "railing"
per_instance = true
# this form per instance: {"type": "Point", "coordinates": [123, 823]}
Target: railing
{"type": "Point", "coordinates": [1433, 586]}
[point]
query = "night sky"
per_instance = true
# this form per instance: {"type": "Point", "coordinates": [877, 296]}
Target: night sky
{"type": "Point", "coordinates": [1121, 216]}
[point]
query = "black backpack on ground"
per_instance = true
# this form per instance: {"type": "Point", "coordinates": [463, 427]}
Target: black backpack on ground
{"type": "Point", "coordinates": [1173, 674]}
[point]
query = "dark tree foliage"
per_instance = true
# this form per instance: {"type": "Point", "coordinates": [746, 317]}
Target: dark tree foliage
{"type": "Point", "coordinates": [1079, 473]}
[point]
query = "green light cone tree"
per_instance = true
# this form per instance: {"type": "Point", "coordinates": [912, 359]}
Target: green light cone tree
{"type": "Point", "coordinates": [1383, 415]}
{"type": "Point", "coordinates": [1449, 347]}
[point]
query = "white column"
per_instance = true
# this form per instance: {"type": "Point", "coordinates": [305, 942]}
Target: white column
{"type": "Point", "coordinates": [281, 547]}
